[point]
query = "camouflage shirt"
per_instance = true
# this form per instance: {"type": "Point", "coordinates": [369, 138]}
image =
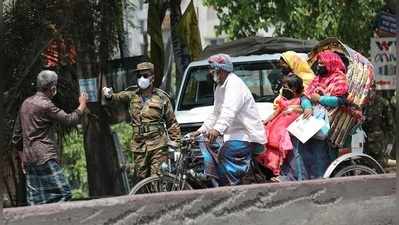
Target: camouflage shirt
{"type": "Point", "coordinates": [152, 119]}
{"type": "Point", "coordinates": [379, 120]}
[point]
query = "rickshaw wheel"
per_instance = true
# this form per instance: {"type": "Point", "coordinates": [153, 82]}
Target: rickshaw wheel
{"type": "Point", "coordinates": [355, 170]}
{"type": "Point", "coordinates": [156, 184]}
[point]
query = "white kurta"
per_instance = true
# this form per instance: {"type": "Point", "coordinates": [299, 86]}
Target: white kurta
{"type": "Point", "coordinates": [235, 115]}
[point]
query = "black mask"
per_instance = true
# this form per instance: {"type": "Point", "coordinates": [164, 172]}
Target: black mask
{"type": "Point", "coordinates": [314, 67]}
{"type": "Point", "coordinates": [287, 93]}
{"type": "Point", "coordinates": [321, 70]}
{"type": "Point", "coordinates": [285, 71]}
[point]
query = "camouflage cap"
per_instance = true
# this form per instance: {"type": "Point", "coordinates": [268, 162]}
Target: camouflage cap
{"type": "Point", "coordinates": [145, 66]}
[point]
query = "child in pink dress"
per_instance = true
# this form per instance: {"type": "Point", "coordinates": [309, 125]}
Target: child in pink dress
{"type": "Point", "coordinates": [288, 109]}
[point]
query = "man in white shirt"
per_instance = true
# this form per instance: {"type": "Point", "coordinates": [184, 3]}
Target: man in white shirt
{"type": "Point", "coordinates": [235, 118]}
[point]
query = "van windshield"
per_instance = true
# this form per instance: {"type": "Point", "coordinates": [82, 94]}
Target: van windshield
{"type": "Point", "coordinates": [262, 79]}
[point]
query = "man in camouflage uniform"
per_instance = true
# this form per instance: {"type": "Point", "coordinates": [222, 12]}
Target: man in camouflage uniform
{"type": "Point", "coordinates": [379, 127]}
{"type": "Point", "coordinates": [152, 119]}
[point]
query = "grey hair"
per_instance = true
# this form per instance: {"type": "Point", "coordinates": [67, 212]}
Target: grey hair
{"type": "Point", "coordinates": [46, 79]}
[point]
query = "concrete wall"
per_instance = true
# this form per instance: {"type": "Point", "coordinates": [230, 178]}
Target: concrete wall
{"type": "Point", "coordinates": [345, 201]}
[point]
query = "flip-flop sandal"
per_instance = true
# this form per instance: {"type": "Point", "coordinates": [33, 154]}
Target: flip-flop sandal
{"type": "Point", "coordinates": [275, 179]}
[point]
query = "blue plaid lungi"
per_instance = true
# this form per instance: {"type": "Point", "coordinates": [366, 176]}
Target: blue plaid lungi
{"type": "Point", "coordinates": [46, 184]}
{"type": "Point", "coordinates": [227, 162]}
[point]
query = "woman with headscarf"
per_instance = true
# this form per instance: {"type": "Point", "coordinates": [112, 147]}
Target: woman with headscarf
{"type": "Point", "coordinates": [328, 89]}
{"type": "Point", "coordinates": [291, 62]}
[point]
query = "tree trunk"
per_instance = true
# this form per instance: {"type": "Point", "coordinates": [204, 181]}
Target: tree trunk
{"type": "Point", "coordinates": [181, 56]}
{"type": "Point", "coordinates": [123, 34]}
{"type": "Point", "coordinates": [103, 171]}
{"type": "Point", "coordinates": [396, 127]}
{"type": "Point", "coordinates": [3, 136]}
{"type": "Point", "coordinates": [123, 40]}
{"type": "Point", "coordinates": [156, 14]}
{"type": "Point", "coordinates": [93, 51]}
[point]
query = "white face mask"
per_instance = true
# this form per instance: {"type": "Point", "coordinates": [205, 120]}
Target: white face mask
{"type": "Point", "coordinates": [215, 77]}
{"type": "Point", "coordinates": [144, 83]}
{"type": "Point", "coordinates": [54, 92]}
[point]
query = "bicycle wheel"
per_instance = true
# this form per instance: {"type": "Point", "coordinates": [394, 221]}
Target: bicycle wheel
{"type": "Point", "coordinates": [156, 184]}
{"type": "Point", "coordinates": [355, 170]}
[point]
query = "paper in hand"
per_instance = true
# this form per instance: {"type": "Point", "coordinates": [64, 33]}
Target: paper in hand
{"type": "Point", "coordinates": [304, 129]}
{"type": "Point", "coordinates": [89, 86]}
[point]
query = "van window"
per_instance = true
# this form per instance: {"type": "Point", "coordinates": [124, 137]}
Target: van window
{"type": "Point", "coordinates": [262, 79]}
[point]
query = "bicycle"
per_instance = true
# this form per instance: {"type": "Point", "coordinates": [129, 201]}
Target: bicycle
{"type": "Point", "coordinates": [184, 170]}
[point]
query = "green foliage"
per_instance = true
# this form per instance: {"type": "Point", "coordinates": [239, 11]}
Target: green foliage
{"type": "Point", "coordinates": [349, 20]}
{"type": "Point", "coordinates": [124, 131]}
{"type": "Point", "coordinates": [74, 163]}
{"type": "Point", "coordinates": [74, 159]}
{"type": "Point", "coordinates": [90, 26]}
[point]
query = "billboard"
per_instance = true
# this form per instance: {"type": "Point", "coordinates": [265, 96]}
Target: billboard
{"type": "Point", "coordinates": [383, 57]}
{"type": "Point", "coordinates": [386, 22]}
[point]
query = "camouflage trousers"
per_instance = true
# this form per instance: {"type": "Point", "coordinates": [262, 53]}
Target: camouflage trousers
{"type": "Point", "coordinates": [148, 163]}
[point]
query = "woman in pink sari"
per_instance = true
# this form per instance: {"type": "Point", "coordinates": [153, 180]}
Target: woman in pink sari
{"type": "Point", "coordinates": [278, 139]}
{"type": "Point", "coordinates": [329, 89]}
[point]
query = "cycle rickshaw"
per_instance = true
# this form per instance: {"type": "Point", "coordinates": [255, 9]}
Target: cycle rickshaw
{"type": "Point", "coordinates": [184, 170]}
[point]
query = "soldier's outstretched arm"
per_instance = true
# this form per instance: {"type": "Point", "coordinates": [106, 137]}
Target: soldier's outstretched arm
{"type": "Point", "coordinates": [171, 122]}
{"type": "Point", "coordinates": [121, 97]}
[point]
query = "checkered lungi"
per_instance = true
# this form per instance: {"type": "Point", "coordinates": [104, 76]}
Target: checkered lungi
{"type": "Point", "coordinates": [227, 162]}
{"type": "Point", "coordinates": [46, 184]}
